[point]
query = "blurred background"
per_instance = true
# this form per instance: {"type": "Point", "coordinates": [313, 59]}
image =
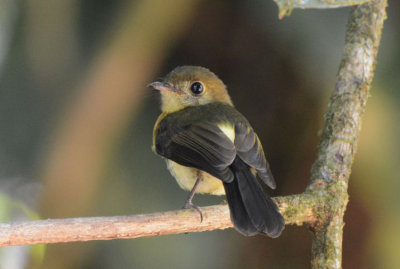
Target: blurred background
{"type": "Point", "coordinates": [76, 124]}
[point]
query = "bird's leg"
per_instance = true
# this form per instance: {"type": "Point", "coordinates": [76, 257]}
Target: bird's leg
{"type": "Point", "coordinates": [188, 203]}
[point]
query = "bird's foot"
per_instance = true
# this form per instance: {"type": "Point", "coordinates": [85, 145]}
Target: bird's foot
{"type": "Point", "coordinates": [190, 205]}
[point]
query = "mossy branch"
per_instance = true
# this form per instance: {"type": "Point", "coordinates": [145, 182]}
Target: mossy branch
{"type": "Point", "coordinates": [338, 145]}
{"type": "Point", "coordinates": [297, 209]}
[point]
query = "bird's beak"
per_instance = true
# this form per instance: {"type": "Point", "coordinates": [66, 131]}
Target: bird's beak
{"type": "Point", "coordinates": [162, 86]}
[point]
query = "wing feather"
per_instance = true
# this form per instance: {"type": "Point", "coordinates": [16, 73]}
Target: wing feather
{"type": "Point", "coordinates": [201, 145]}
{"type": "Point", "coordinates": [192, 137]}
{"type": "Point", "coordinates": [250, 150]}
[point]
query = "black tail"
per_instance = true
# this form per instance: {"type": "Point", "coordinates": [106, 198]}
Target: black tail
{"type": "Point", "coordinates": [252, 211]}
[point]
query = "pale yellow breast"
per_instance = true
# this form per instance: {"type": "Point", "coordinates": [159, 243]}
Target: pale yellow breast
{"type": "Point", "coordinates": [187, 176]}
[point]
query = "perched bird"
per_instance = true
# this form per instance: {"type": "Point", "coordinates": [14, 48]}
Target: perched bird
{"type": "Point", "coordinates": [211, 148]}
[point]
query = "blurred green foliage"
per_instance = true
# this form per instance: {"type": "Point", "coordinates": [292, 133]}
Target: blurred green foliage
{"type": "Point", "coordinates": [11, 210]}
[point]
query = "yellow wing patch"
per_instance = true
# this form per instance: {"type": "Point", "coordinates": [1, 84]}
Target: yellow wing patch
{"type": "Point", "coordinates": [228, 130]}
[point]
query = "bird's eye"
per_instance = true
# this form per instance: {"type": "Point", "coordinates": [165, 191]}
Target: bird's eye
{"type": "Point", "coordinates": [197, 88]}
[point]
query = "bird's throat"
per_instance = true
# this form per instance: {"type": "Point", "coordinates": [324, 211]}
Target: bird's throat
{"type": "Point", "coordinates": [171, 102]}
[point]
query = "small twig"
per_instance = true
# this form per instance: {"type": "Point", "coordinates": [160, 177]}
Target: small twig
{"type": "Point", "coordinates": [286, 6]}
{"type": "Point", "coordinates": [297, 209]}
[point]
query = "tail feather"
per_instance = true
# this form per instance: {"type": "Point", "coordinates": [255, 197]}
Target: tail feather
{"type": "Point", "coordinates": [239, 216]}
{"type": "Point", "coordinates": [252, 211]}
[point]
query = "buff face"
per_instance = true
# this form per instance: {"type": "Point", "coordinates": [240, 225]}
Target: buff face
{"type": "Point", "coordinates": [191, 86]}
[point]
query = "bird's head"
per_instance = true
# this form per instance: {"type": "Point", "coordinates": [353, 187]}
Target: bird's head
{"type": "Point", "coordinates": [190, 86]}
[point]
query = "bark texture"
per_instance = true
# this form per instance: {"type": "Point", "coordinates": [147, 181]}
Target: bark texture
{"type": "Point", "coordinates": [338, 145]}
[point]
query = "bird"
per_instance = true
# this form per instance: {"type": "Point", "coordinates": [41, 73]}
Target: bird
{"type": "Point", "coordinates": [211, 148]}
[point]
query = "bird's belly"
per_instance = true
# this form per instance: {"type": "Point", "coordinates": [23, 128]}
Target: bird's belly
{"type": "Point", "coordinates": [187, 176]}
